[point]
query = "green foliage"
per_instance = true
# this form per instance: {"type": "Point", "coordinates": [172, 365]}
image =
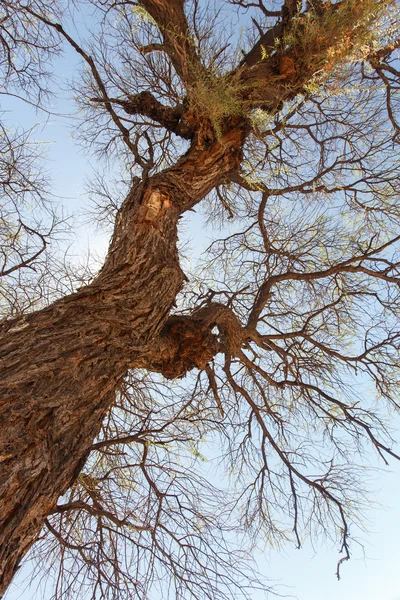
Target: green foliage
{"type": "Point", "coordinates": [216, 98]}
{"type": "Point", "coordinates": [339, 32]}
{"type": "Point", "coordinates": [317, 42]}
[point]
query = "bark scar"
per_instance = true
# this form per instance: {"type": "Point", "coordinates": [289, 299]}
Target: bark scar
{"type": "Point", "coordinates": [156, 203]}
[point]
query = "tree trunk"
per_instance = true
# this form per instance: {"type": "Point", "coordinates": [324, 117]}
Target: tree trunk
{"type": "Point", "coordinates": [61, 365]}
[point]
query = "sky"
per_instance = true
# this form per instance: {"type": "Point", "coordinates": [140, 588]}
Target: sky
{"type": "Point", "coordinates": [373, 573]}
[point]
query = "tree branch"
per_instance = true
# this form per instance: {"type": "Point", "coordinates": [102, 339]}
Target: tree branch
{"type": "Point", "coordinates": [178, 42]}
{"type": "Point", "coordinates": [146, 105]}
{"type": "Point", "coordinates": [96, 75]}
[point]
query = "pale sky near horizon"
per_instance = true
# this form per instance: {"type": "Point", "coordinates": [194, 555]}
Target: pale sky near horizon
{"type": "Point", "coordinates": [304, 574]}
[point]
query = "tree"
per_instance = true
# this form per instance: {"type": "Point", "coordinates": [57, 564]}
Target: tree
{"type": "Point", "coordinates": [291, 147]}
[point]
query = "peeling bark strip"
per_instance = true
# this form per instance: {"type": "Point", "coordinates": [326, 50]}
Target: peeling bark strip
{"type": "Point", "coordinates": [60, 366]}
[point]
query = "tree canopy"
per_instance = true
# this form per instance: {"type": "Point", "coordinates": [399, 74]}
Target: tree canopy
{"type": "Point", "coordinates": [274, 357]}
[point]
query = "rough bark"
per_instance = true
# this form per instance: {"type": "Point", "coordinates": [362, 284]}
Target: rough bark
{"type": "Point", "coordinates": [186, 342]}
{"type": "Point", "coordinates": [60, 366]}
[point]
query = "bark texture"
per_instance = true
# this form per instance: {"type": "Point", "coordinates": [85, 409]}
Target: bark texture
{"type": "Point", "coordinates": [60, 366]}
